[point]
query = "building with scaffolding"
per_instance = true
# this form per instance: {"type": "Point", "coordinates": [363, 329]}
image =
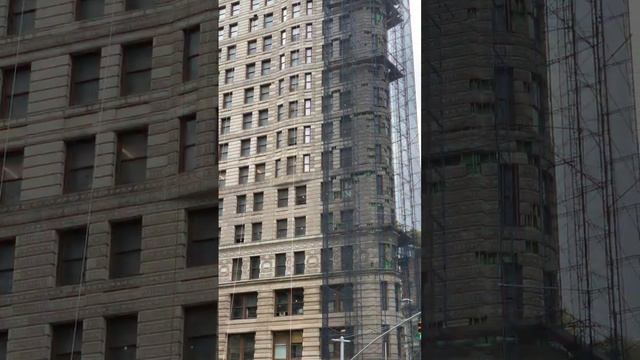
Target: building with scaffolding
{"type": "Point", "coordinates": [310, 246]}
{"type": "Point", "coordinates": [108, 243]}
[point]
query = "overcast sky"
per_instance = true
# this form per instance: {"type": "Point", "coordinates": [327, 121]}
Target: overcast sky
{"type": "Point", "coordinates": [416, 11]}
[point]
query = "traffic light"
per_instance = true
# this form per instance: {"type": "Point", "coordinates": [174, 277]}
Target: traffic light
{"type": "Point", "coordinates": [419, 333]}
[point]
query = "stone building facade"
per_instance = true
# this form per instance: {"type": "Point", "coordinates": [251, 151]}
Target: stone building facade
{"type": "Point", "coordinates": [108, 145]}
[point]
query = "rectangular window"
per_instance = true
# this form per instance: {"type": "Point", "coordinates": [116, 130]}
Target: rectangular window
{"type": "Point", "coordinates": [339, 298]}
{"type": "Point", "coordinates": [131, 165]}
{"type": "Point", "coordinates": [263, 117]}
{"type": "Point", "coordinates": [15, 94]}
{"type": "Point", "coordinates": [301, 195]}
{"type": "Point", "coordinates": [85, 78]}
{"type": "Point", "coordinates": [222, 178]}
{"type": "Point", "coordinates": [235, 8]}
{"type": "Point", "coordinates": [327, 131]}
{"type": "Point", "coordinates": [245, 147]}
{"type": "Point", "coordinates": [346, 218]}
{"type": "Point", "coordinates": [293, 83]}
{"type": "Point", "coordinates": [291, 165]}
{"type": "Point", "coordinates": [248, 96]}
{"type": "Point", "coordinates": [307, 107]}
{"type": "Point", "coordinates": [254, 269]}
{"type": "Point", "coordinates": [267, 43]}
{"type": "Point", "coordinates": [280, 114]}
{"type": "Point", "coordinates": [327, 160]}
{"type": "Point", "coordinates": [233, 30]}
{"type": "Point", "coordinates": [306, 163]}
{"type": "Point", "coordinates": [22, 17]}
{"type": "Point", "coordinates": [252, 47]}
{"type": "Point", "coordinates": [7, 249]}
{"type": "Point", "coordinates": [241, 346]}
{"type": "Point", "coordinates": [309, 7]}
{"type": "Point", "coordinates": [504, 95]}
{"type": "Point", "coordinates": [384, 301]}
{"type": "Point", "coordinates": [79, 165]}
{"type": "Point", "coordinates": [256, 231]}
{"type": "Point", "coordinates": [510, 194]}
{"type": "Point", "coordinates": [200, 332]}
{"type": "Point", "coordinates": [188, 143]}
{"type": "Point", "coordinates": [301, 226]}
{"type": "Point", "coordinates": [307, 135]}
{"type": "Point", "coordinates": [283, 197]}
{"type": "Point", "coordinates": [295, 33]}
{"type": "Point", "coordinates": [281, 228]}
{"type": "Point", "coordinates": [222, 12]}
{"type": "Point", "coordinates": [241, 204]}
{"type": "Point", "coordinates": [202, 246]}
{"type": "Point", "coordinates": [281, 264]}
{"type": "Point", "coordinates": [308, 31]}
{"type": "Point", "coordinates": [238, 234]}
{"type": "Point", "coordinates": [264, 92]}
{"type": "Point", "coordinates": [253, 24]}
{"type": "Point", "coordinates": [307, 81]}
{"type": "Point", "coordinates": [227, 100]}
{"type": "Point", "coordinates": [292, 136]}
{"type": "Point", "coordinates": [66, 341]}
{"type": "Point", "coordinates": [299, 262]}
{"type": "Point", "coordinates": [260, 171]}
{"type": "Point", "coordinates": [346, 157]}
{"type": "Point", "coordinates": [326, 257]}
{"type": "Point", "coordinates": [293, 109]}
{"type": "Point", "coordinates": [289, 302]}
{"type": "Point", "coordinates": [265, 67]}
{"type": "Point", "coordinates": [243, 175]}
{"type": "Point", "coordinates": [244, 306]}
{"type": "Point", "coordinates": [71, 248]}
{"type": "Point", "coordinates": [122, 334]}
{"type": "Point", "coordinates": [284, 14]}
{"type": "Point", "coordinates": [346, 127]}
{"type": "Point", "coordinates": [308, 56]}
{"type": "Point", "coordinates": [223, 152]}
{"type": "Point", "coordinates": [139, 4]}
{"type": "Point", "coordinates": [278, 167]}
{"type": "Point", "coordinates": [268, 20]}
{"type": "Point", "coordinates": [287, 345]}
{"type": "Point", "coordinates": [283, 62]}
{"type": "Point", "coordinates": [295, 9]}
{"type": "Point", "coordinates": [136, 68]}
{"type": "Point", "coordinates": [379, 185]}
{"type": "Point", "coordinates": [191, 54]}
{"type": "Point", "coordinates": [294, 59]}
{"type": "Point", "coordinates": [258, 201]}
{"type": "Point", "coordinates": [247, 119]}
{"type": "Point", "coordinates": [231, 52]}
{"type": "Point", "coordinates": [261, 145]}
{"type": "Point", "coordinates": [278, 139]}
{"type": "Point", "coordinates": [347, 257]}
{"type": "Point", "coordinates": [378, 153]}
{"type": "Point", "coordinates": [236, 269]}
{"type": "Point", "coordinates": [126, 237]}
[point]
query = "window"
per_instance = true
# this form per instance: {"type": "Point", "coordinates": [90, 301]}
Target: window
{"type": "Point", "coordinates": [301, 195]}
{"type": "Point", "coordinates": [306, 163]}
{"type": "Point", "coordinates": [261, 145]}
{"type": "Point", "coordinates": [307, 81]}
{"type": "Point", "coordinates": [263, 117]}
{"type": "Point", "coordinates": [326, 257]}
{"type": "Point", "coordinates": [136, 72]}
{"type": "Point", "coordinates": [281, 264]}
{"type": "Point", "coordinates": [79, 165]}
{"type": "Point", "coordinates": [254, 267]}
{"type": "Point", "coordinates": [252, 47]}
{"type": "Point", "coordinates": [280, 114]}
{"type": "Point", "coordinates": [238, 234]}
{"type": "Point", "coordinates": [253, 23]}
{"type": "Point", "coordinates": [202, 246]}
{"type": "Point", "coordinates": [66, 342]}
{"type": "Point", "coordinates": [258, 201]}
{"type": "Point", "coordinates": [309, 7]}
{"type": "Point", "coordinates": [283, 37]}
{"type": "Point", "coordinates": [295, 58]}
{"type": "Point", "coordinates": [268, 21]}
{"type": "Point", "coordinates": [504, 95]}
{"type": "Point", "coordinates": [308, 55]}
{"type": "Point", "coordinates": [278, 166]}
{"type": "Point", "coordinates": [139, 4]}
{"type": "Point", "coordinates": [122, 333]}
{"type": "Point", "coordinates": [287, 345]}
{"type": "Point", "coordinates": [379, 185]}
{"type": "Point", "coordinates": [299, 262]}
{"type": "Point", "coordinates": [283, 197]}
{"type": "Point", "coordinates": [256, 231]}
{"type": "Point", "coordinates": [300, 226]}
{"type": "Point", "coordinates": [510, 194]}
{"type": "Point", "coordinates": [231, 52]}
{"type": "Point", "coordinates": [85, 78]}
{"type": "Point", "coordinates": [15, 97]}
{"type": "Point", "coordinates": [223, 152]}
{"type": "Point", "coordinates": [7, 248]}
{"type": "Point", "coordinates": [229, 75]}
{"type": "Point", "coordinates": [188, 143]}
{"type": "Point", "coordinates": [346, 188]}
{"type": "Point", "coordinates": [222, 12]}
{"type": "Point", "coordinates": [241, 204]}
{"type": "Point", "coordinates": [221, 35]}
{"type": "Point", "coordinates": [250, 71]}
{"type": "Point", "coordinates": [236, 269]}
{"type": "Point", "coordinates": [191, 54]}
{"type": "Point", "coordinates": [293, 109]}
{"type": "Point", "coordinates": [264, 92]}
{"type": "Point", "coordinates": [384, 301]}
{"type": "Point", "coordinates": [222, 178]}
{"type": "Point", "coordinates": [260, 172]}
{"type": "Point", "coordinates": [278, 139]}
{"type": "Point", "coordinates": [241, 346]}
{"type": "Point", "coordinates": [307, 107]}
{"type": "Point", "coordinates": [378, 153]}
{"type": "Point", "coordinates": [125, 248]}
{"type": "Point", "coordinates": [295, 33]}
{"type": "Point", "coordinates": [245, 147]}
{"type": "Point", "coordinates": [327, 131]}
{"type": "Point", "coordinates": [339, 298]}
{"type": "Point", "coordinates": [248, 96]}
{"type": "Point", "coordinates": [292, 136]}
{"type": "Point", "coordinates": [233, 29]}
{"type": "Point", "coordinates": [131, 166]}
{"type": "Point", "coordinates": [289, 302]}
{"type": "Point", "coordinates": [346, 157]}
{"type": "Point", "coordinates": [247, 119]}
{"type": "Point", "coordinates": [235, 8]}
{"type": "Point", "coordinates": [281, 228]}
{"type": "Point", "coordinates": [284, 14]}
{"type": "Point", "coordinates": [347, 257]}
{"type": "Point", "coordinates": [243, 175]}
{"type": "Point", "coordinates": [346, 217]}
{"type": "Point", "coordinates": [346, 127]}
{"type": "Point", "coordinates": [200, 332]}
{"type": "Point", "coordinates": [244, 306]}
{"type": "Point", "coordinates": [295, 9]}
{"type": "Point", "coordinates": [380, 214]}
{"type": "Point", "coordinates": [71, 248]}
{"type": "Point", "coordinates": [327, 160]}
{"type": "Point", "coordinates": [267, 43]}
{"type": "Point", "coordinates": [307, 135]}
{"type": "Point", "coordinates": [22, 17]}
{"type": "Point", "coordinates": [227, 100]}
{"type": "Point", "coordinates": [265, 68]}
{"type": "Point", "coordinates": [291, 165]}
{"type": "Point", "coordinates": [308, 31]}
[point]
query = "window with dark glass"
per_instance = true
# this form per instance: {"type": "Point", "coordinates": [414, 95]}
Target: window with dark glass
{"type": "Point", "coordinates": [287, 345]}
{"type": "Point", "coordinates": [267, 43]}
{"type": "Point", "coordinates": [247, 120]}
{"type": "Point", "coordinates": [7, 248]}
{"type": "Point", "coordinates": [281, 228]}
{"type": "Point", "coordinates": [136, 71]}
{"type": "Point", "coordinates": [66, 342]}
{"type": "Point", "coordinates": [245, 147]}
{"type": "Point", "coordinates": [188, 143]}
{"type": "Point", "coordinates": [131, 166]}
{"type": "Point", "coordinates": [339, 298]}
{"type": "Point", "coordinates": [300, 226]}
{"type": "Point", "coordinates": [122, 334]}
{"type": "Point", "coordinates": [79, 165]}
{"type": "Point", "coordinates": [15, 91]}
{"type": "Point", "coordinates": [326, 259]}
{"type": "Point", "coordinates": [139, 4]}
{"type": "Point", "coordinates": [346, 218]}
{"type": "Point", "coordinates": [225, 127]}
{"type": "Point", "coordinates": [191, 53]}
{"type": "Point", "coordinates": [3, 345]}
{"type": "Point", "coordinates": [254, 267]}
{"type": "Point", "coordinates": [289, 302]}
{"type": "Point", "coordinates": [241, 204]}
{"type": "Point", "coordinates": [258, 201]}
{"type": "Point", "coordinates": [283, 197]}
{"type": "Point", "coordinates": [346, 157]}
{"type": "Point", "coordinates": [291, 165]}
{"type": "Point", "coordinates": [22, 16]}
{"type": "Point", "coordinates": [238, 234]}
{"type": "Point", "coordinates": [301, 195]}
{"type": "Point", "coordinates": [264, 92]}
{"type": "Point", "coordinates": [85, 78]}
{"type": "Point", "coordinates": [263, 117]}
{"type": "Point", "coordinates": [243, 175]}
{"type": "Point", "coordinates": [299, 262]}
{"type": "Point", "coordinates": [384, 300]}
{"type": "Point", "coordinates": [347, 257]}
{"type": "Point", "coordinates": [260, 172]}
{"type": "Point", "coordinates": [12, 177]}
{"type": "Point", "coordinates": [236, 269]}
{"type": "Point", "coordinates": [126, 239]}
{"type": "Point", "coordinates": [223, 152]}
{"type": "Point", "coordinates": [89, 9]}
{"type": "Point", "coordinates": [261, 144]}
{"type": "Point", "coordinates": [256, 231]}
{"type": "Point", "coordinates": [202, 246]}
{"type": "Point", "coordinates": [200, 332]}
{"type": "Point", "coordinates": [292, 136]}
{"type": "Point", "coordinates": [252, 47]}
{"type": "Point", "coordinates": [281, 264]}
{"type": "Point", "coordinates": [249, 95]}
{"type": "Point", "coordinates": [244, 306]}
{"type": "Point", "coordinates": [71, 248]}
{"type": "Point", "coordinates": [241, 346]}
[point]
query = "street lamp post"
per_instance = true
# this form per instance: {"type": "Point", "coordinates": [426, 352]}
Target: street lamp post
{"type": "Point", "coordinates": [407, 310]}
{"type": "Point", "coordinates": [342, 341]}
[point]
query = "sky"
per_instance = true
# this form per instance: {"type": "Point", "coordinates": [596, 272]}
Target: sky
{"type": "Point", "coordinates": [415, 8]}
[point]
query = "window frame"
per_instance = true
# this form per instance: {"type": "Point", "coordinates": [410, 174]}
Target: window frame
{"type": "Point", "coordinates": [115, 253]}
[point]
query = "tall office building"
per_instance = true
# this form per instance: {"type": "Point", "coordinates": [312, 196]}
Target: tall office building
{"type": "Point", "coordinates": [309, 250]}
{"type": "Point", "coordinates": [491, 252]}
{"type": "Point", "coordinates": [108, 243]}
